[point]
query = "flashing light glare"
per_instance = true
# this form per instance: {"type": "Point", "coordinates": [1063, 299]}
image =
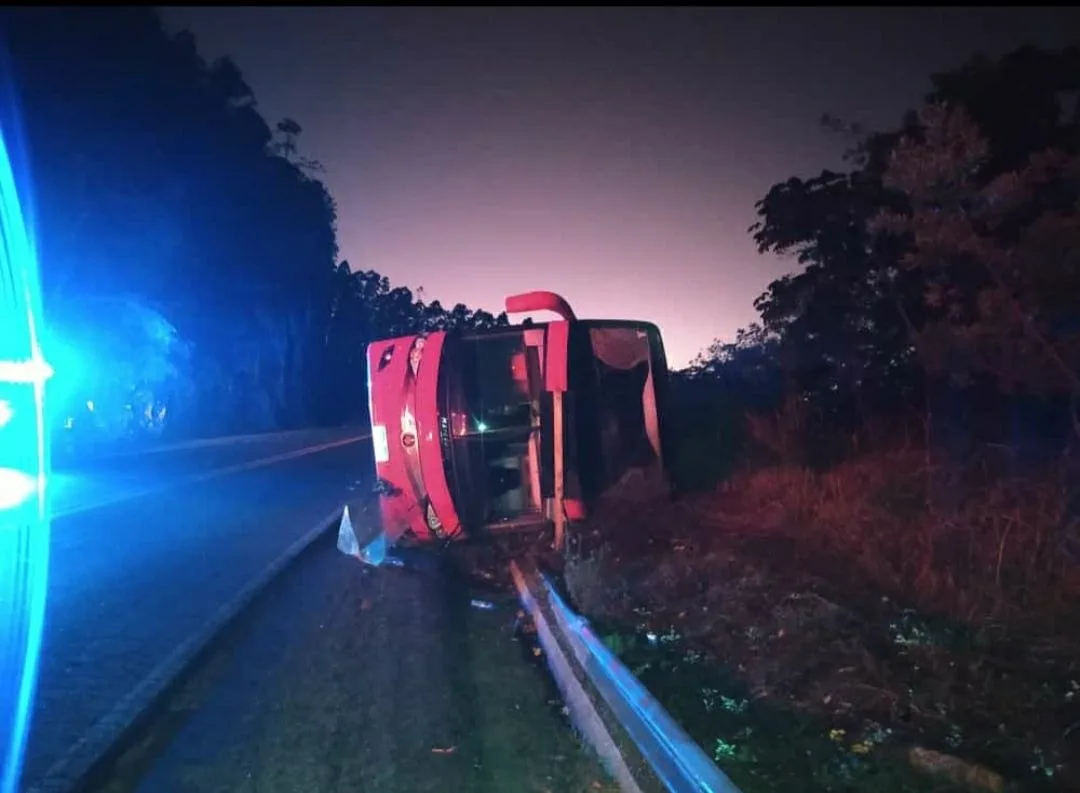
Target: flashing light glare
{"type": "Point", "coordinates": [16, 488]}
{"type": "Point", "coordinates": [481, 426]}
{"type": "Point", "coordinates": [29, 372]}
{"type": "Point", "coordinates": [24, 528]}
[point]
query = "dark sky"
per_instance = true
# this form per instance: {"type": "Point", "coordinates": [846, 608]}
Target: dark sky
{"type": "Point", "coordinates": [611, 155]}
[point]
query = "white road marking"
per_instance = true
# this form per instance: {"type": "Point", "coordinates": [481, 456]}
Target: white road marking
{"type": "Point", "coordinates": [116, 498]}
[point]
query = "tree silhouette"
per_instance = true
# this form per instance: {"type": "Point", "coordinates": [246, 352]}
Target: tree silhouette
{"type": "Point", "coordinates": [158, 180]}
{"type": "Point", "coordinates": [941, 269]}
{"type": "Point", "coordinates": [998, 252]}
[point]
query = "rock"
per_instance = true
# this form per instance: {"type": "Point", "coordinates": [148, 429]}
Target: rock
{"type": "Point", "coordinates": [953, 768]}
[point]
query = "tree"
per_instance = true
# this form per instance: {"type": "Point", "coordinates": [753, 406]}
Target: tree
{"type": "Point", "coordinates": [997, 250]}
{"type": "Point", "coordinates": [852, 325]}
{"type": "Point", "coordinates": [840, 322]}
{"type": "Point", "coordinates": [364, 307]}
{"type": "Point", "coordinates": [157, 180]}
{"type": "Point", "coordinates": [122, 365]}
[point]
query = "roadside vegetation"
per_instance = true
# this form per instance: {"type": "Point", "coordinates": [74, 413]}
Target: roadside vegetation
{"type": "Point", "coordinates": [188, 247]}
{"type": "Point", "coordinates": [870, 579]}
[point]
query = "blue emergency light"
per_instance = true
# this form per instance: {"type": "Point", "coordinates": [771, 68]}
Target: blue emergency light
{"type": "Point", "coordinates": [24, 527]}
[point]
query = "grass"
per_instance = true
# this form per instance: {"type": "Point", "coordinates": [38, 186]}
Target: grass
{"type": "Point", "coordinates": [761, 746]}
{"type": "Point", "coordinates": [965, 541]}
{"type": "Point", "coordinates": [888, 624]}
{"type": "Point", "coordinates": [536, 754]}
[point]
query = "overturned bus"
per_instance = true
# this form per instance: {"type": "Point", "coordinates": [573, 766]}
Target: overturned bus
{"type": "Point", "coordinates": [517, 428]}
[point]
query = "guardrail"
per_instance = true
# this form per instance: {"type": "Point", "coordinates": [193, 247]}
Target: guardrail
{"type": "Point", "coordinates": [674, 759]}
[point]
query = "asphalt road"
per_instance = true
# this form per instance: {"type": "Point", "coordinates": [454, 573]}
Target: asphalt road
{"type": "Point", "coordinates": [384, 681]}
{"type": "Point", "coordinates": [146, 548]}
{"type": "Point", "coordinates": [76, 486]}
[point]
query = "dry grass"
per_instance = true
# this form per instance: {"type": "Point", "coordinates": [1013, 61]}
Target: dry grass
{"type": "Point", "coordinates": [939, 601]}
{"type": "Point", "coordinates": [962, 541]}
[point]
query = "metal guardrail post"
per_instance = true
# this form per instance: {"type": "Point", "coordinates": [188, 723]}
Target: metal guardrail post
{"type": "Point", "coordinates": [674, 758]}
{"type": "Point", "coordinates": [581, 708]}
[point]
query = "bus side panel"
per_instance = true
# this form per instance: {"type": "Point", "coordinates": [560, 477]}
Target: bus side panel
{"type": "Point", "coordinates": [389, 387]}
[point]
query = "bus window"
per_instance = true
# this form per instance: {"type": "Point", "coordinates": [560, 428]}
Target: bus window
{"type": "Point", "coordinates": [626, 401]}
{"type": "Point", "coordinates": [490, 392]}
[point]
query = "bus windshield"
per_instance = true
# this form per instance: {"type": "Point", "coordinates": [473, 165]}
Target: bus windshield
{"type": "Point", "coordinates": [489, 388]}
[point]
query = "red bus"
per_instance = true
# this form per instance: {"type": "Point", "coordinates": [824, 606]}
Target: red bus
{"type": "Point", "coordinates": [511, 428]}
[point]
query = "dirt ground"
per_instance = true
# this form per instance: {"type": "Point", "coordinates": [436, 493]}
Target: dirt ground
{"type": "Point", "coordinates": [797, 673]}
